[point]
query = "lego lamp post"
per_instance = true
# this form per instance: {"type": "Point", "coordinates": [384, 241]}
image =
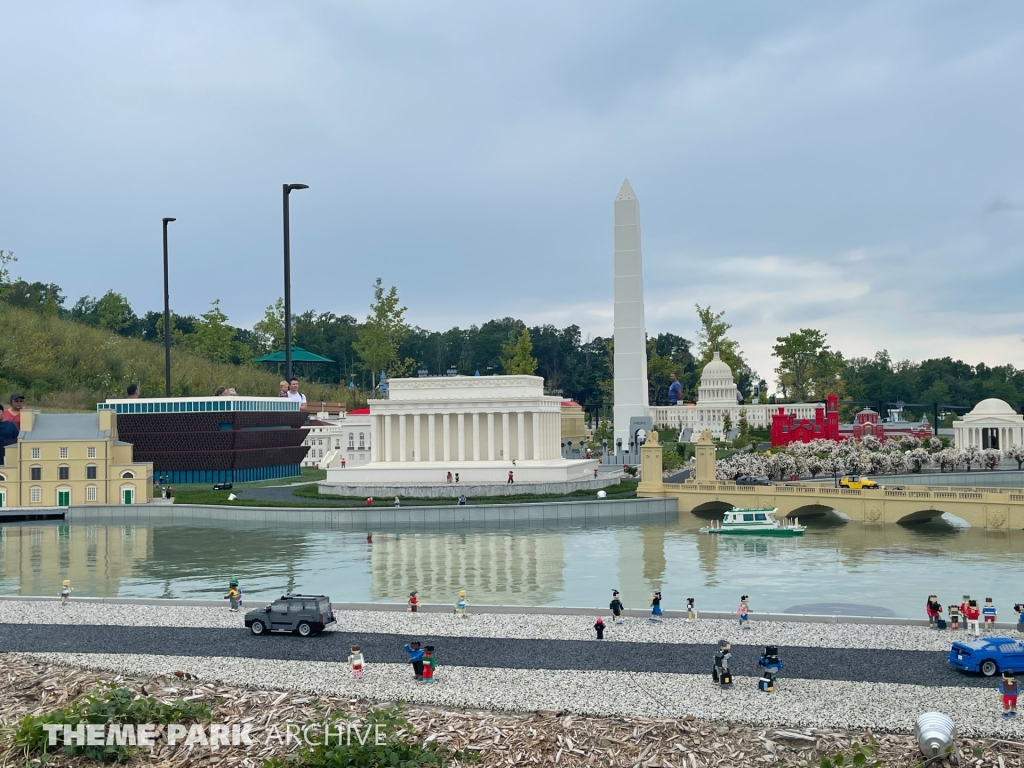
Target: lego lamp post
{"type": "Point", "coordinates": [167, 318]}
{"type": "Point", "coordinates": [286, 191]}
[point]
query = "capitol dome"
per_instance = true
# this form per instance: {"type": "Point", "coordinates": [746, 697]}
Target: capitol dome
{"type": "Point", "coordinates": [716, 382]}
{"type": "Point", "coordinates": [993, 406]}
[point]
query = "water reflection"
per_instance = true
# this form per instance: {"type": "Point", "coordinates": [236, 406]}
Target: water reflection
{"type": "Point", "coordinates": [890, 566]}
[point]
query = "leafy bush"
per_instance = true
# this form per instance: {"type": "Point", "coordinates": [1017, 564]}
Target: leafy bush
{"type": "Point", "coordinates": [103, 705]}
{"type": "Point", "coordinates": [401, 748]}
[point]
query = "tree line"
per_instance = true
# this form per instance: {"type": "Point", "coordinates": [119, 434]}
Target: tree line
{"type": "Point", "coordinates": [572, 365]}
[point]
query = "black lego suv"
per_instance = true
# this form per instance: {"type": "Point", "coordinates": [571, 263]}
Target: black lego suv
{"type": "Point", "coordinates": [305, 614]}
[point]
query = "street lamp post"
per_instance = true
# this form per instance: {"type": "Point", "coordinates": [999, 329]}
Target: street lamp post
{"type": "Point", "coordinates": [167, 317]}
{"type": "Point", "coordinates": [286, 191]}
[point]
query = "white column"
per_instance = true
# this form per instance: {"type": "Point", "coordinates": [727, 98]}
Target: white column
{"type": "Point", "coordinates": [417, 446]}
{"type": "Point", "coordinates": [506, 438]}
{"type": "Point", "coordinates": [461, 426]}
{"type": "Point", "coordinates": [536, 419]}
{"type": "Point", "coordinates": [476, 437]}
{"type": "Point", "coordinates": [431, 437]}
{"type": "Point", "coordinates": [447, 435]}
{"type": "Point", "coordinates": [386, 442]}
{"type": "Point", "coordinates": [521, 434]}
{"type": "Point", "coordinates": [375, 438]}
{"type": "Point", "coordinates": [490, 436]}
{"type": "Point", "coordinates": [402, 444]}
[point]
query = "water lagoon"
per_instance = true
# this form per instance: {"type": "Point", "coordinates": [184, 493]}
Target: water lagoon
{"type": "Point", "coordinates": [891, 567]}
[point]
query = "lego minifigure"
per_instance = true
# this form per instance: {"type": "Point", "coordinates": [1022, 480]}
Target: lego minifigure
{"type": "Point", "coordinates": [414, 602]}
{"type": "Point", "coordinates": [599, 627]}
{"type": "Point", "coordinates": [369, 538]}
{"type": "Point", "coordinates": [461, 603]}
{"type": "Point", "coordinates": [973, 613]}
{"type": "Point", "coordinates": [232, 595]}
{"type": "Point", "coordinates": [369, 501]}
{"type": "Point", "coordinates": [720, 671]}
{"type": "Point", "coordinates": [398, 502]}
{"type": "Point", "coordinates": [65, 591]}
{"type": "Point", "coordinates": [1018, 608]}
{"type": "Point", "coordinates": [954, 617]}
{"type": "Point", "coordinates": [616, 607]}
{"type": "Point", "coordinates": [933, 609]}
{"type": "Point", "coordinates": [416, 659]}
{"type": "Point", "coordinates": [1009, 688]}
{"type": "Point", "coordinates": [963, 610]}
{"type": "Point", "coordinates": [743, 609]}
{"type": "Point", "coordinates": [691, 611]}
{"type": "Point", "coordinates": [656, 606]}
{"type": "Point", "coordinates": [988, 613]}
{"type": "Point", "coordinates": [355, 661]}
{"type": "Point", "coordinates": [772, 665]}
{"type": "Point", "coordinates": [429, 664]}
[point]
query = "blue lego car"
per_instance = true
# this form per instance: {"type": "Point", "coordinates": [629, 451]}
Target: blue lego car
{"type": "Point", "coordinates": [988, 655]}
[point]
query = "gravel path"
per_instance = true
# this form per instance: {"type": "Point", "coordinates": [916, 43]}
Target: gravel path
{"type": "Point", "coordinates": [842, 664]}
{"type": "Point", "coordinates": [505, 625]}
{"type": "Point", "coordinates": [802, 703]}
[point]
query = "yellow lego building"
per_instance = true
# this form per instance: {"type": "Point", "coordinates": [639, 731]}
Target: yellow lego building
{"type": "Point", "coordinates": [62, 459]}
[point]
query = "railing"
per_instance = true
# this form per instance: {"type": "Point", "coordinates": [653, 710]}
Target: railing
{"type": "Point", "coordinates": [896, 494]}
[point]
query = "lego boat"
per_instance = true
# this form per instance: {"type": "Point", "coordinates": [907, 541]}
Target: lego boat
{"type": "Point", "coordinates": [755, 522]}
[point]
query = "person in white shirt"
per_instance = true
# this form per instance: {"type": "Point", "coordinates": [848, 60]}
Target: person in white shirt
{"type": "Point", "coordinates": [293, 392]}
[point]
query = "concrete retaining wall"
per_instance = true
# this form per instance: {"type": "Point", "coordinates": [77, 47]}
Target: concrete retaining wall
{"type": "Point", "coordinates": [379, 518]}
{"type": "Point", "coordinates": [453, 490]}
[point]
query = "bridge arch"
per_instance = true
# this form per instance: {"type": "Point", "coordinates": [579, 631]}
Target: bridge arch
{"type": "Point", "coordinates": [930, 515]}
{"type": "Point", "coordinates": [712, 509]}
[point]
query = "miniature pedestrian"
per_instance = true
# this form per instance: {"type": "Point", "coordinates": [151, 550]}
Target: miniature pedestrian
{"type": "Point", "coordinates": [595, 473]}
{"type": "Point", "coordinates": [743, 609]}
{"type": "Point", "coordinates": [398, 502]}
{"type": "Point", "coordinates": [232, 596]}
{"type": "Point", "coordinates": [616, 607]}
{"type": "Point", "coordinates": [772, 665]}
{"type": "Point", "coordinates": [369, 538]}
{"type": "Point", "coordinates": [369, 501]}
{"type": "Point", "coordinates": [1018, 608]}
{"type": "Point", "coordinates": [416, 659]}
{"type": "Point", "coordinates": [932, 609]}
{"type": "Point", "coordinates": [456, 477]}
{"type": "Point", "coordinates": [462, 499]}
{"type": "Point", "coordinates": [963, 610]}
{"type": "Point", "coordinates": [414, 603]}
{"type": "Point", "coordinates": [988, 614]}
{"type": "Point", "coordinates": [656, 607]}
{"type": "Point", "coordinates": [448, 479]}
{"type": "Point", "coordinates": [599, 627]}
{"type": "Point", "coordinates": [461, 603]}
{"type": "Point", "coordinates": [355, 662]}
{"type": "Point", "coordinates": [954, 617]}
{"type": "Point", "coordinates": [429, 664]}
{"type": "Point", "coordinates": [720, 670]}
{"type": "Point", "coordinates": [1009, 688]}
{"type": "Point", "coordinates": [691, 611]}
{"type": "Point", "coordinates": [65, 591]}
{"type": "Point", "coordinates": [511, 479]}
{"type": "Point", "coordinates": [973, 614]}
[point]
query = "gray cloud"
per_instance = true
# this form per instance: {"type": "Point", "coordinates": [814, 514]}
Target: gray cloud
{"type": "Point", "coordinates": [798, 165]}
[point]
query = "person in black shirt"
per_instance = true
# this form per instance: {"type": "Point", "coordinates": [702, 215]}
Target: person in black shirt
{"type": "Point", "coordinates": [616, 606]}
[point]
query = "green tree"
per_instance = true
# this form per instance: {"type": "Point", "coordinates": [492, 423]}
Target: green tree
{"type": "Point", "coordinates": [808, 368]}
{"type": "Point", "coordinates": [268, 333]}
{"type": "Point", "coordinates": [213, 337]}
{"type": "Point", "coordinates": [6, 259]}
{"type": "Point", "coordinates": [726, 426]}
{"type": "Point", "coordinates": [377, 342]}
{"type": "Point", "coordinates": [114, 313]}
{"type": "Point", "coordinates": [711, 337]}
{"type": "Point", "coordinates": [517, 355]}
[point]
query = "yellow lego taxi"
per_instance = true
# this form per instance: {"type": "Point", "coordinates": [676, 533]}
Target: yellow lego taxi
{"type": "Point", "coordinates": [857, 483]}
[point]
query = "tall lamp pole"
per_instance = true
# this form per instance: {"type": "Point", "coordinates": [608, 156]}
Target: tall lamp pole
{"type": "Point", "coordinates": [167, 317]}
{"type": "Point", "coordinates": [286, 191]}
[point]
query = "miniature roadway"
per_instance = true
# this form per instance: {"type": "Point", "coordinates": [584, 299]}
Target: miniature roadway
{"type": "Point", "coordinates": [846, 675]}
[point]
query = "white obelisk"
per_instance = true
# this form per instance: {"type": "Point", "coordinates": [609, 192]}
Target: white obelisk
{"type": "Point", "coordinates": [630, 332]}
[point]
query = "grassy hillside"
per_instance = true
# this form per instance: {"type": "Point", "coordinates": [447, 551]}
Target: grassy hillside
{"type": "Point", "coordinates": [62, 365]}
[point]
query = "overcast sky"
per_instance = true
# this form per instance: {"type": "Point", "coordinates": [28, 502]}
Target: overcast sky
{"type": "Point", "coordinates": [853, 167]}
